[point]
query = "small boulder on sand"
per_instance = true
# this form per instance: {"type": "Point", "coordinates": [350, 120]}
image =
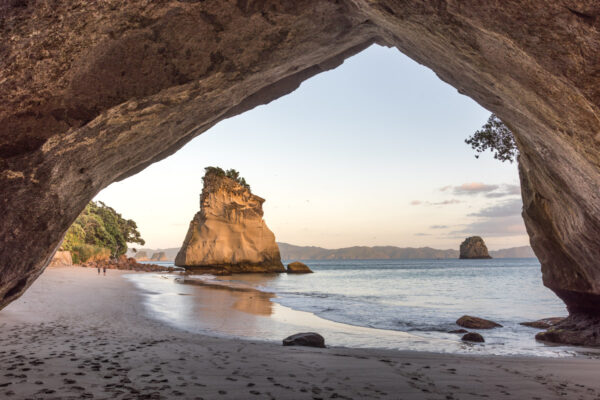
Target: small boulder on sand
{"type": "Point", "coordinates": [543, 323]}
{"type": "Point", "coordinates": [298, 268]}
{"type": "Point", "coordinates": [467, 321]}
{"type": "Point", "coordinates": [473, 337]}
{"type": "Point", "coordinates": [310, 339]}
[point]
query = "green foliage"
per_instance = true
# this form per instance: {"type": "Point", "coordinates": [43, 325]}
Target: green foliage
{"type": "Point", "coordinates": [230, 173]}
{"type": "Point", "coordinates": [496, 137]}
{"type": "Point", "coordinates": [99, 231]}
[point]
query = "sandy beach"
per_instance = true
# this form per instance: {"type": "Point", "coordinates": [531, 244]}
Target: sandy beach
{"type": "Point", "coordinates": [75, 334]}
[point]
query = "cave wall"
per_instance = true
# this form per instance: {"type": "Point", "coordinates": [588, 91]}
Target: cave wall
{"type": "Point", "coordinates": [93, 92]}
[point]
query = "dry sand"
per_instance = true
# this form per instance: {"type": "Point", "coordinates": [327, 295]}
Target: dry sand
{"type": "Point", "coordinates": [75, 334]}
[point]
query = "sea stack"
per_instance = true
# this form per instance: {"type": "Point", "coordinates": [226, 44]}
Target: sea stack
{"type": "Point", "coordinates": [159, 256]}
{"type": "Point", "coordinates": [228, 234]}
{"type": "Point", "coordinates": [473, 247]}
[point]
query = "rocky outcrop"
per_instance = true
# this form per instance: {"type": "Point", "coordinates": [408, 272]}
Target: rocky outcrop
{"type": "Point", "coordinates": [577, 329]}
{"type": "Point", "coordinates": [93, 92]}
{"type": "Point", "coordinates": [229, 232]}
{"type": "Point", "coordinates": [159, 256]}
{"type": "Point", "coordinates": [141, 256]}
{"type": "Point", "coordinates": [473, 247]}
{"type": "Point", "coordinates": [298, 268]}
{"type": "Point", "coordinates": [310, 339]}
{"type": "Point", "coordinates": [61, 259]}
{"type": "Point", "coordinates": [127, 264]}
{"type": "Point", "coordinates": [467, 321]}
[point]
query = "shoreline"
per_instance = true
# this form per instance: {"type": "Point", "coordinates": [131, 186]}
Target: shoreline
{"type": "Point", "coordinates": [75, 335]}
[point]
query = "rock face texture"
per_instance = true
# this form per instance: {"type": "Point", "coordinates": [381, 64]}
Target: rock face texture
{"type": "Point", "coordinates": [229, 232]}
{"type": "Point", "coordinates": [473, 247]}
{"type": "Point", "coordinates": [61, 259]}
{"type": "Point", "coordinates": [92, 92]}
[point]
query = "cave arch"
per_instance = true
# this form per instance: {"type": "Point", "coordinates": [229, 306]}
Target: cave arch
{"type": "Point", "coordinates": [93, 92]}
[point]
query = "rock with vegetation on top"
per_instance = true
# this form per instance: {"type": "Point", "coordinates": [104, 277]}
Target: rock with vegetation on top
{"type": "Point", "coordinates": [472, 337]}
{"type": "Point", "coordinates": [298, 268]}
{"type": "Point", "coordinates": [473, 247]}
{"type": "Point", "coordinates": [229, 233]}
{"type": "Point", "coordinates": [467, 321]}
{"type": "Point", "coordinates": [310, 339]}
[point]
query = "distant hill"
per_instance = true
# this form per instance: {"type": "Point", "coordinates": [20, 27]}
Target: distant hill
{"type": "Point", "coordinates": [169, 253]}
{"type": "Point", "coordinates": [513, 252]}
{"type": "Point", "coordinates": [292, 252]}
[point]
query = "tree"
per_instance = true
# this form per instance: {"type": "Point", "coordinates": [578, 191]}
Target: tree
{"type": "Point", "coordinates": [496, 137]}
{"type": "Point", "coordinates": [230, 173]}
{"type": "Point", "coordinates": [99, 231]}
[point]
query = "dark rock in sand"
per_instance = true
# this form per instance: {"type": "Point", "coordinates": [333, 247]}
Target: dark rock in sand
{"type": "Point", "coordinates": [473, 337]}
{"type": "Point", "coordinates": [473, 248]}
{"type": "Point", "coordinates": [129, 264]}
{"type": "Point", "coordinates": [467, 321]}
{"type": "Point", "coordinates": [576, 329]}
{"type": "Point", "coordinates": [298, 268]}
{"type": "Point", "coordinates": [459, 331]}
{"type": "Point", "coordinates": [543, 323]}
{"type": "Point", "coordinates": [310, 339]}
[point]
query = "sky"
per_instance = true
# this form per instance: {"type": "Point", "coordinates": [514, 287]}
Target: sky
{"type": "Point", "coordinates": [371, 153]}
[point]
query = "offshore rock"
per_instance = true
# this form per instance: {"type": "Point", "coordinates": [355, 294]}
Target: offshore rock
{"type": "Point", "coordinates": [92, 92]}
{"type": "Point", "coordinates": [159, 256]}
{"type": "Point", "coordinates": [298, 268]}
{"type": "Point", "coordinates": [229, 233]}
{"type": "Point", "coordinates": [473, 247]}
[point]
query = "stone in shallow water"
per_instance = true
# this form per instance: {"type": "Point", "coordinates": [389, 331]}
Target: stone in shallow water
{"type": "Point", "coordinates": [467, 321]}
{"type": "Point", "coordinates": [459, 331]}
{"type": "Point", "coordinates": [298, 268]}
{"type": "Point", "coordinates": [473, 248]}
{"type": "Point", "coordinates": [543, 323]}
{"type": "Point", "coordinates": [310, 339]}
{"type": "Point", "coordinates": [473, 337]}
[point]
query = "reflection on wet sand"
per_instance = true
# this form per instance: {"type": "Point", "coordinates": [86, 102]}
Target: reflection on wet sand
{"type": "Point", "coordinates": [247, 299]}
{"type": "Point", "coordinates": [232, 307]}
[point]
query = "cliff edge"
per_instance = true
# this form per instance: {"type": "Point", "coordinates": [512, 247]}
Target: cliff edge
{"type": "Point", "coordinates": [229, 234]}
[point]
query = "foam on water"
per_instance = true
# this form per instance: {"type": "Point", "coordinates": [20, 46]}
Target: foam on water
{"type": "Point", "coordinates": [402, 304]}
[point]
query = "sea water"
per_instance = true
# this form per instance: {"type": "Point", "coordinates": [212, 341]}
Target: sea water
{"type": "Point", "coordinates": [402, 304]}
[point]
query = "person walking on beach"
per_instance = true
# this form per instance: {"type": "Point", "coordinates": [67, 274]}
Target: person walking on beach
{"type": "Point", "coordinates": [104, 270]}
{"type": "Point", "coordinates": [98, 270]}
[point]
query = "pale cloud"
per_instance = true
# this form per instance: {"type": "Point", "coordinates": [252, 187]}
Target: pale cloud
{"type": "Point", "coordinates": [505, 209]}
{"type": "Point", "coordinates": [502, 219]}
{"type": "Point", "coordinates": [438, 203]}
{"type": "Point", "coordinates": [506, 190]}
{"type": "Point", "coordinates": [422, 234]}
{"type": "Point", "coordinates": [471, 188]}
{"type": "Point", "coordinates": [438, 227]}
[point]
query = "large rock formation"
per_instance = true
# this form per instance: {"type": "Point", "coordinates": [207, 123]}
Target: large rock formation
{"type": "Point", "coordinates": [229, 233]}
{"type": "Point", "coordinates": [92, 92]}
{"type": "Point", "coordinates": [473, 247]}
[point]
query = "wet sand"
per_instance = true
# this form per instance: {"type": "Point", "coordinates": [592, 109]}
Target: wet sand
{"type": "Point", "coordinates": [75, 335]}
